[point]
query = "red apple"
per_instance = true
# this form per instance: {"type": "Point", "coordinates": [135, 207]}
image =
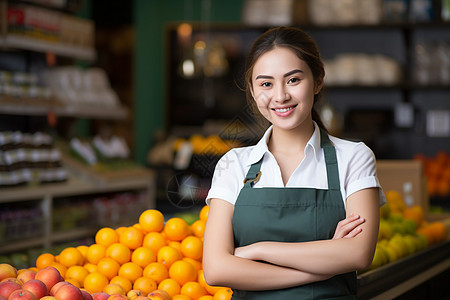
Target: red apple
{"type": "Point", "coordinates": [133, 294]}
{"type": "Point", "coordinates": [37, 287]}
{"type": "Point", "coordinates": [22, 295]}
{"type": "Point", "coordinates": [7, 287]}
{"type": "Point", "coordinates": [100, 296]}
{"type": "Point", "coordinates": [48, 298]}
{"type": "Point", "coordinates": [86, 295]}
{"type": "Point", "coordinates": [26, 275]}
{"type": "Point", "coordinates": [6, 271]}
{"type": "Point", "coordinates": [68, 292]}
{"type": "Point", "coordinates": [56, 287]}
{"type": "Point", "coordinates": [50, 276]}
{"type": "Point", "coordinates": [3, 298]}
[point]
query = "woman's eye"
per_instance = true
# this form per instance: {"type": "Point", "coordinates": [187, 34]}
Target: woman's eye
{"type": "Point", "coordinates": [266, 84]}
{"type": "Point", "coordinates": [293, 80]}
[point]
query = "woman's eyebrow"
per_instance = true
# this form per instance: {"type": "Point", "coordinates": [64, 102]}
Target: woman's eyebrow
{"type": "Point", "coordinates": [285, 75]}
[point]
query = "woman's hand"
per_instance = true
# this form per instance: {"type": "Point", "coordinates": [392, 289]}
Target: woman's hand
{"type": "Point", "coordinates": [349, 227]}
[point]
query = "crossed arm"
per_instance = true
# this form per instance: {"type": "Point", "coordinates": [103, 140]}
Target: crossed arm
{"type": "Point", "coordinates": [290, 264]}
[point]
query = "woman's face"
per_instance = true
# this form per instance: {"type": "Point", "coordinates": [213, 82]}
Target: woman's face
{"type": "Point", "coordinates": [283, 88]}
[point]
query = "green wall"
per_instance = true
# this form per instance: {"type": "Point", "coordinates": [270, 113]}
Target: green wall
{"type": "Point", "coordinates": [150, 18]}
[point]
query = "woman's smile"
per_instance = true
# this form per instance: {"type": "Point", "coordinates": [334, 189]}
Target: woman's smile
{"type": "Point", "coordinates": [284, 111]}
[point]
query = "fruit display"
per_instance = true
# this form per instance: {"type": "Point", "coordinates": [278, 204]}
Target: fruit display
{"type": "Point", "coordinates": [403, 231]}
{"type": "Point", "coordinates": [437, 172]}
{"type": "Point", "coordinates": [152, 259]}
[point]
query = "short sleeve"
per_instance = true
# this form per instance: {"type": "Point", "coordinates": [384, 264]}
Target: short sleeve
{"type": "Point", "coordinates": [226, 181]}
{"type": "Point", "coordinates": [362, 172]}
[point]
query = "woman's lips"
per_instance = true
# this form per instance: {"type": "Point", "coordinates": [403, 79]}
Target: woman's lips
{"type": "Point", "coordinates": [285, 111]}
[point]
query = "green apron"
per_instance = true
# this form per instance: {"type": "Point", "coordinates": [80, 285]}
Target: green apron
{"type": "Point", "coordinates": [293, 215]}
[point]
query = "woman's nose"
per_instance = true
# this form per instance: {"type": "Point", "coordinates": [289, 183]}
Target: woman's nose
{"type": "Point", "coordinates": [281, 94]}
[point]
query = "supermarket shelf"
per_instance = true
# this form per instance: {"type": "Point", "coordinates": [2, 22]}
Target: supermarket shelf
{"type": "Point", "coordinates": [23, 244]}
{"type": "Point", "coordinates": [73, 186]}
{"type": "Point", "coordinates": [72, 235]}
{"type": "Point", "coordinates": [396, 278]}
{"type": "Point", "coordinates": [40, 107]}
{"type": "Point", "coordinates": [39, 45]}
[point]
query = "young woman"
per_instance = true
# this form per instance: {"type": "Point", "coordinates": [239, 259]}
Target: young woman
{"type": "Point", "coordinates": [294, 216]}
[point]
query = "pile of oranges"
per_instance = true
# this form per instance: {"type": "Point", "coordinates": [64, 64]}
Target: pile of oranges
{"type": "Point", "coordinates": [150, 255]}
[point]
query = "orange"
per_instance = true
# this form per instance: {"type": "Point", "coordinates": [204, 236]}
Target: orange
{"type": "Point", "coordinates": [181, 297]}
{"type": "Point", "coordinates": [171, 286]}
{"type": "Point", "coordinates": [182, 272]}
{"type": "Point", "coordinates": [197, 264]}
{"type": "Point", "coordinates": [119, 252]}
{"type": "Point", "coordinates": [131, 271]}
{"type": "Point", "coordinates": [83, 250]}
{"type": "Point", "coordinates": [90, 267]}
{"type": "Point", "coordinates": [44, 260]}
{"type": "Point", "coordinates": [206, 297]}
{"type": "Point", "coordinates": [108, 267]}
{"type": "Point", "coordinates": [156, 271]}
{"type": "Point", "coordinates": [438, 231]}
{"type": "Point", "coordinates": [123, 282]}
{"type": "Point", "coordinates": [204, 213]}
{"type": "Point", "coordinates": [414, 213]}
{"type": "Point", "coordinates": [168, 255]}
{"type": "Point", "coordinates": [151, 220]}
{"type": "Point", "coordinates": [95, 282]}
{"type": "Point", "coordinates": [71, 257]}
{"type": "Point", "coordinates": [192, 247]}
{"type": "Point", "coordinates": [145, 284]}
{"type": "Point", "coordinates": [176, 229]}
{"type": "Point", "coordinates": [143, 256]}
{"type": "Point", "coordinates": [209, 288]}
{"type": "Point", "coordinates": [193, 289]}
{"type": "Point", "coordinates": [94, 253]}
{"type": "Point", "coordinates": [73, 281]}
{"type": "Point", "coordinates": [154, 241]}
{"type": "Point", "coordinates": [61, 268]}
{"type": "Point", "coordinates": [106, 237]}
{"type": "Point", "coordinates": [120, 229]}
{"type": "Point", "coordinates": [223, 294]}
{"type": "Point", "coordinates": [395, 200]}
{"type": "Point", "coordinates": [198, 228]}
{"type": "Point", "coordinates": [176, 245]}
{"type": "Point", "coordinates": [114, 288]}
{"type": "Point", "coordinates": [78, 273]}
{"type": "Point", "coordinates": [132, 238]}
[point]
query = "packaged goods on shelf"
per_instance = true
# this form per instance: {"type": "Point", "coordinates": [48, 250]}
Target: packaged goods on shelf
{"type": "Point", "coordinates": [29, 158]}
{"type": "Point", "coordinates": [362, 69]}
{"type": "Point", "coordinates": [73, 85]}
{"type": "Point", "coordinates": [345, 12]}
{"type": "Point", "coordinates": [49, 25]}
{"type": "Point", "coordinates": [22, 85]}
{"type": "Point", "coordinates": [19, 221]}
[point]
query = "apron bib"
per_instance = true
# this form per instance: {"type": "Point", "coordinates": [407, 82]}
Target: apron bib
{"type": "Point", "coordinates": [293, 215]}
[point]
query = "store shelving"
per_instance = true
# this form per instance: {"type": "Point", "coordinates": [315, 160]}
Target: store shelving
{"type": "Point", "coordinates": [42, 107]}
{"type": "Point", "coordinates": [47, 195]}
{"type": "Point", "coordinates": [35, 44]}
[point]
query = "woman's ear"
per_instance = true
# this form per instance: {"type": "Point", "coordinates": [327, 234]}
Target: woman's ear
{"type": "Point", "coordinates": [318, 86]}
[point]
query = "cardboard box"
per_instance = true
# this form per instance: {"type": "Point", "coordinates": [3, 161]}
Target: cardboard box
{"type": "Point", "coordinates": [406, 177]}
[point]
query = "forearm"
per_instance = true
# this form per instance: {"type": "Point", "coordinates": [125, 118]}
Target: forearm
{"type": "Point", "coordinates": [232, 271]}
{"type": "Point", "coordinates": [317, 257]}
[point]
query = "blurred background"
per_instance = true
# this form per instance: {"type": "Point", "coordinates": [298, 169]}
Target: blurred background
{"type": "Point", "coordinates": [109, 107]}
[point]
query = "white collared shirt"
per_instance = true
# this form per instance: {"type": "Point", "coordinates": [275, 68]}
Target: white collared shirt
{"type": "Point", "coordinates": [356, 164]}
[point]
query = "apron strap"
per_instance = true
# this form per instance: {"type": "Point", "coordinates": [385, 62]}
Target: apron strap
{"type": "Point", "coordinates": [253, 173]}
{"type": "Point", "coordinates": [330, 160]}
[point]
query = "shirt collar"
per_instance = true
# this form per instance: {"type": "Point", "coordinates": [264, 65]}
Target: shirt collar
{"type": "Point", "coordinates": [261, 147]}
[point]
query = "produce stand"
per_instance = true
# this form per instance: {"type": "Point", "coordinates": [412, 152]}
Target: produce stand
{"type": "Point", "coordinates": [396, 278]}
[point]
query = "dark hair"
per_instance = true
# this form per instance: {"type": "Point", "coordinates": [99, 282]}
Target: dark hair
{"type": "Point", "coordinates": [300, 43]}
